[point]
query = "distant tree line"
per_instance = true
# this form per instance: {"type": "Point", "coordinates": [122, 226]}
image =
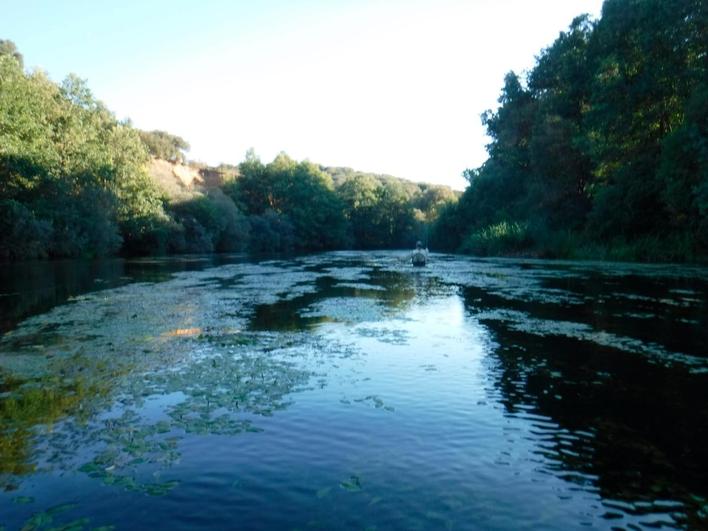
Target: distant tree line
{"type": "Point", "coordinates": [601, 151]}
{"type": "Point", "coordinates": [74, 182]}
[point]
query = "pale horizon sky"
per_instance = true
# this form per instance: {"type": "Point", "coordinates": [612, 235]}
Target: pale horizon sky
{"type": "Point", "coordinates": [392, 87]}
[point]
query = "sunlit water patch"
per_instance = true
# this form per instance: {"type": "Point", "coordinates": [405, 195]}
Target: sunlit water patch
{"type": "Point", "coordinates": [350, 390]}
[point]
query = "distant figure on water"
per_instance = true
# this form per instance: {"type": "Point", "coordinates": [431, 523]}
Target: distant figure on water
{"type": "Point", "coordinates": [420, 255]}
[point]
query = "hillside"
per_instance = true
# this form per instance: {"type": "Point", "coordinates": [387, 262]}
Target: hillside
{"type": "Point", "coordinates": [179, 179]}
{"type": "Point", "coordinates": [77, 182]}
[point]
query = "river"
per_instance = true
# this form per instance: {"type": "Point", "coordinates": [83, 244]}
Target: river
{"type": "Point", "coordinates": [349, 390]}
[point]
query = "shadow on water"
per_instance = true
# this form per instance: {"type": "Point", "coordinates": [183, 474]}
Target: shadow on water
{"type": "Point", "coordinates": [75, 394]}
{"type": "Point", "coordinates": [30, 288]}
{"type": "Point", "coordinates": [121, 420]}
{"type": "Point", "coordinates": [118, 390]}
{"type": "Point", "coordinates": [239, 373]}
{"type": "Point", "coordinates": [391, 290]}
{"type": "Point", "coordinates": [90, 412]}
{"type": "Point", "coordinates": [670, 311]}
{"type": "Point", "coordinates": [633, 431]}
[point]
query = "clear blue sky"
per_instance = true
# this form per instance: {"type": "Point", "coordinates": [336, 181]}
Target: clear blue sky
{"type": "Point", "coordinates": [385, 86]}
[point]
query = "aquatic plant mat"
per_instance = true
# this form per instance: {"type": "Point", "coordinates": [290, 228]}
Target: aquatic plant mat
{"type": "Point", "coordinates": [353, 391]}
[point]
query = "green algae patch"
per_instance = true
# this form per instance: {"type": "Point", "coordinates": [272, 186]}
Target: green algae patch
{"type": "Point", "coordinates": [127, 373]}
{"type": "Point", "coordinates": [347, 310]}
{"type": "Point", "coordinates": [297, 372]}
{"type": "Point", "coordinates": [352, 484]}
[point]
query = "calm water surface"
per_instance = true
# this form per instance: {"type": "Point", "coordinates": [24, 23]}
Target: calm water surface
{"type": "Point", "coordinates": [352, 391]}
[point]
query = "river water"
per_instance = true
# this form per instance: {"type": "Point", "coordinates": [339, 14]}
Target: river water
{"type": "Point", "coordinates": [350, 390]}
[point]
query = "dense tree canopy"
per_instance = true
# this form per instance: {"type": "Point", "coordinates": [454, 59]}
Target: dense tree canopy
{"type": "Point", "coordinates": [602, 150]}
{"type": "Point", "coordinates": [74, 182]}
{"type": "Point", "coordinates": [293, 197]}
{"type": "Point", "coordinates": [72, 178]}
{"type": "Point", "coordinates": [384, 211]}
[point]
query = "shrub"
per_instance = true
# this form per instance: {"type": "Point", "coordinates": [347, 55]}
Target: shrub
{"type": "Point", "coordinates": [21, 235]}
{"type": "Point", "coordinates": [498, 239]}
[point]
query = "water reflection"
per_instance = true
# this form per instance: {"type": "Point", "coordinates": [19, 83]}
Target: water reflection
{"type": "Point", "coordinates": [349, 389]}
{"type": "Point", "coordinates": [28, 288]}
{"type": "Point", "coordinates": [75, 368]}
{"type": "Point", "coordinates": [356, 293]}
{"type": "Point", "coordinates": [606, 419]}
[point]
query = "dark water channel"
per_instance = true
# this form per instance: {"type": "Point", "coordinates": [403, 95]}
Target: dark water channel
{"type": "Point", "coordinates": [352, 391]}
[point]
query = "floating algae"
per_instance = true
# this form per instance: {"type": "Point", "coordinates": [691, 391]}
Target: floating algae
{"type": "Point", "coordinates": [273, 383]}
{"type": "Point", "coordinates": [347, 310]}
{"type": "Point", "coordinates": [384, 334]}
{"type": "Point", "coordinates": [120, 350]}
{"type": "Point", "coordinates": [353, 484]}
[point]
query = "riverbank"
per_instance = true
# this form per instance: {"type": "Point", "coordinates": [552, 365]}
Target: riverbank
{"type": "Point", "coordinates": [511, 239]}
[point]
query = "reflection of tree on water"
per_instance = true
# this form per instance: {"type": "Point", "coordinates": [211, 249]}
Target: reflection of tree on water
{"type": "Point", "coordinates": [37, 286]}
{"type": "Point", "coordinates": [658, 309]}
{"type": "Point", "coordinates": [40, 401]}
{"type": "Point", "coordinates": [113, 364]}
{"type": "Point", "coordinates": [221, 394]}
{"type": "Point", "coordinates": [77, 381]}
{"type": "Point", "coordinates": [632, 430]}
{"type": "Point", "coordinates": [236, 379]}
{"type": "Point", "coordinates": [112, 387]}
{"type": "Point", "coordinates": [379, 293]}
{"type": "Point", "coordinates": [94, 398]}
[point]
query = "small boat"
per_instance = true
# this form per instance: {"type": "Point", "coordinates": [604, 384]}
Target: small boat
{"type": "Point", "coordinates": [419, 258]}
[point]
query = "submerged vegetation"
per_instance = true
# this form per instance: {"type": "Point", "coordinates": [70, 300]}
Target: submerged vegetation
{"type": "Point", "coordinates": [601, 151]}
{"type": "Point", "coordinates": [330, 383]}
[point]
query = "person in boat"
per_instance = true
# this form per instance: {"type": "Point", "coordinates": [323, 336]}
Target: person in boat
{"type": "Point", "coordinates": [420, 255]}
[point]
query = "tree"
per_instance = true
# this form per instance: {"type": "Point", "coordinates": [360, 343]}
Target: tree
{"type": "Point", "coordinates": [300, 192]}
{"type": "Point", "coordinates": [648, 56]}
{"type": "Point", "coordinates": [360, 195]}
{"type": "Point", "coordinates": [250, 191]}
{"type": "Point", "coordinates": [605, 142]}
{"type": "Point", "coordinates": [70, 168]}
{"type": "Point", "coordinates": [165, 146]}
{"type": "Point", "coordinates": [560, 171]}
{"type": "Point", "coordinates": [683, 171]}
{"type": "Point", "coordinates": [8, 48]}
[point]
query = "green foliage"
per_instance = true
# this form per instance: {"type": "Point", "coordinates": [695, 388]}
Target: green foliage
{"type": "Point", "coordinates": [304, 206]}
{"type": "Point", "coordinates": [360, 195]}
{"type": "Point", "coordinates": [165, 146]}
{"type": "Point", "coordinates": [683, 170]}
{"type": "Point", "coordinates": [299, 194]}
{"type": "Point", "coordinates": [69, 168]}
{"type": "Point", "coordinates": [8, 48]}
{"type": "Point", "coordinates": [504, 237]}
{"type": "Point", "coordinates": [210, 222]}
{"type": "Point", "coordinates": [432, 199]}
{"type": "Point", "coordinates": [603, 149]}
{"type": "Point", "coordinates": [271, 232]}
{"type": "Point", "coordinates": [448, 229]}
{"type": "Point", "coordinates": [21, 234]}
{"type": "Point", "coordinates": [74, 182]}
{"type": "Point", "coordinates": [234, 228]}
{"type": "Point", "coordinates": [384, 211]}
